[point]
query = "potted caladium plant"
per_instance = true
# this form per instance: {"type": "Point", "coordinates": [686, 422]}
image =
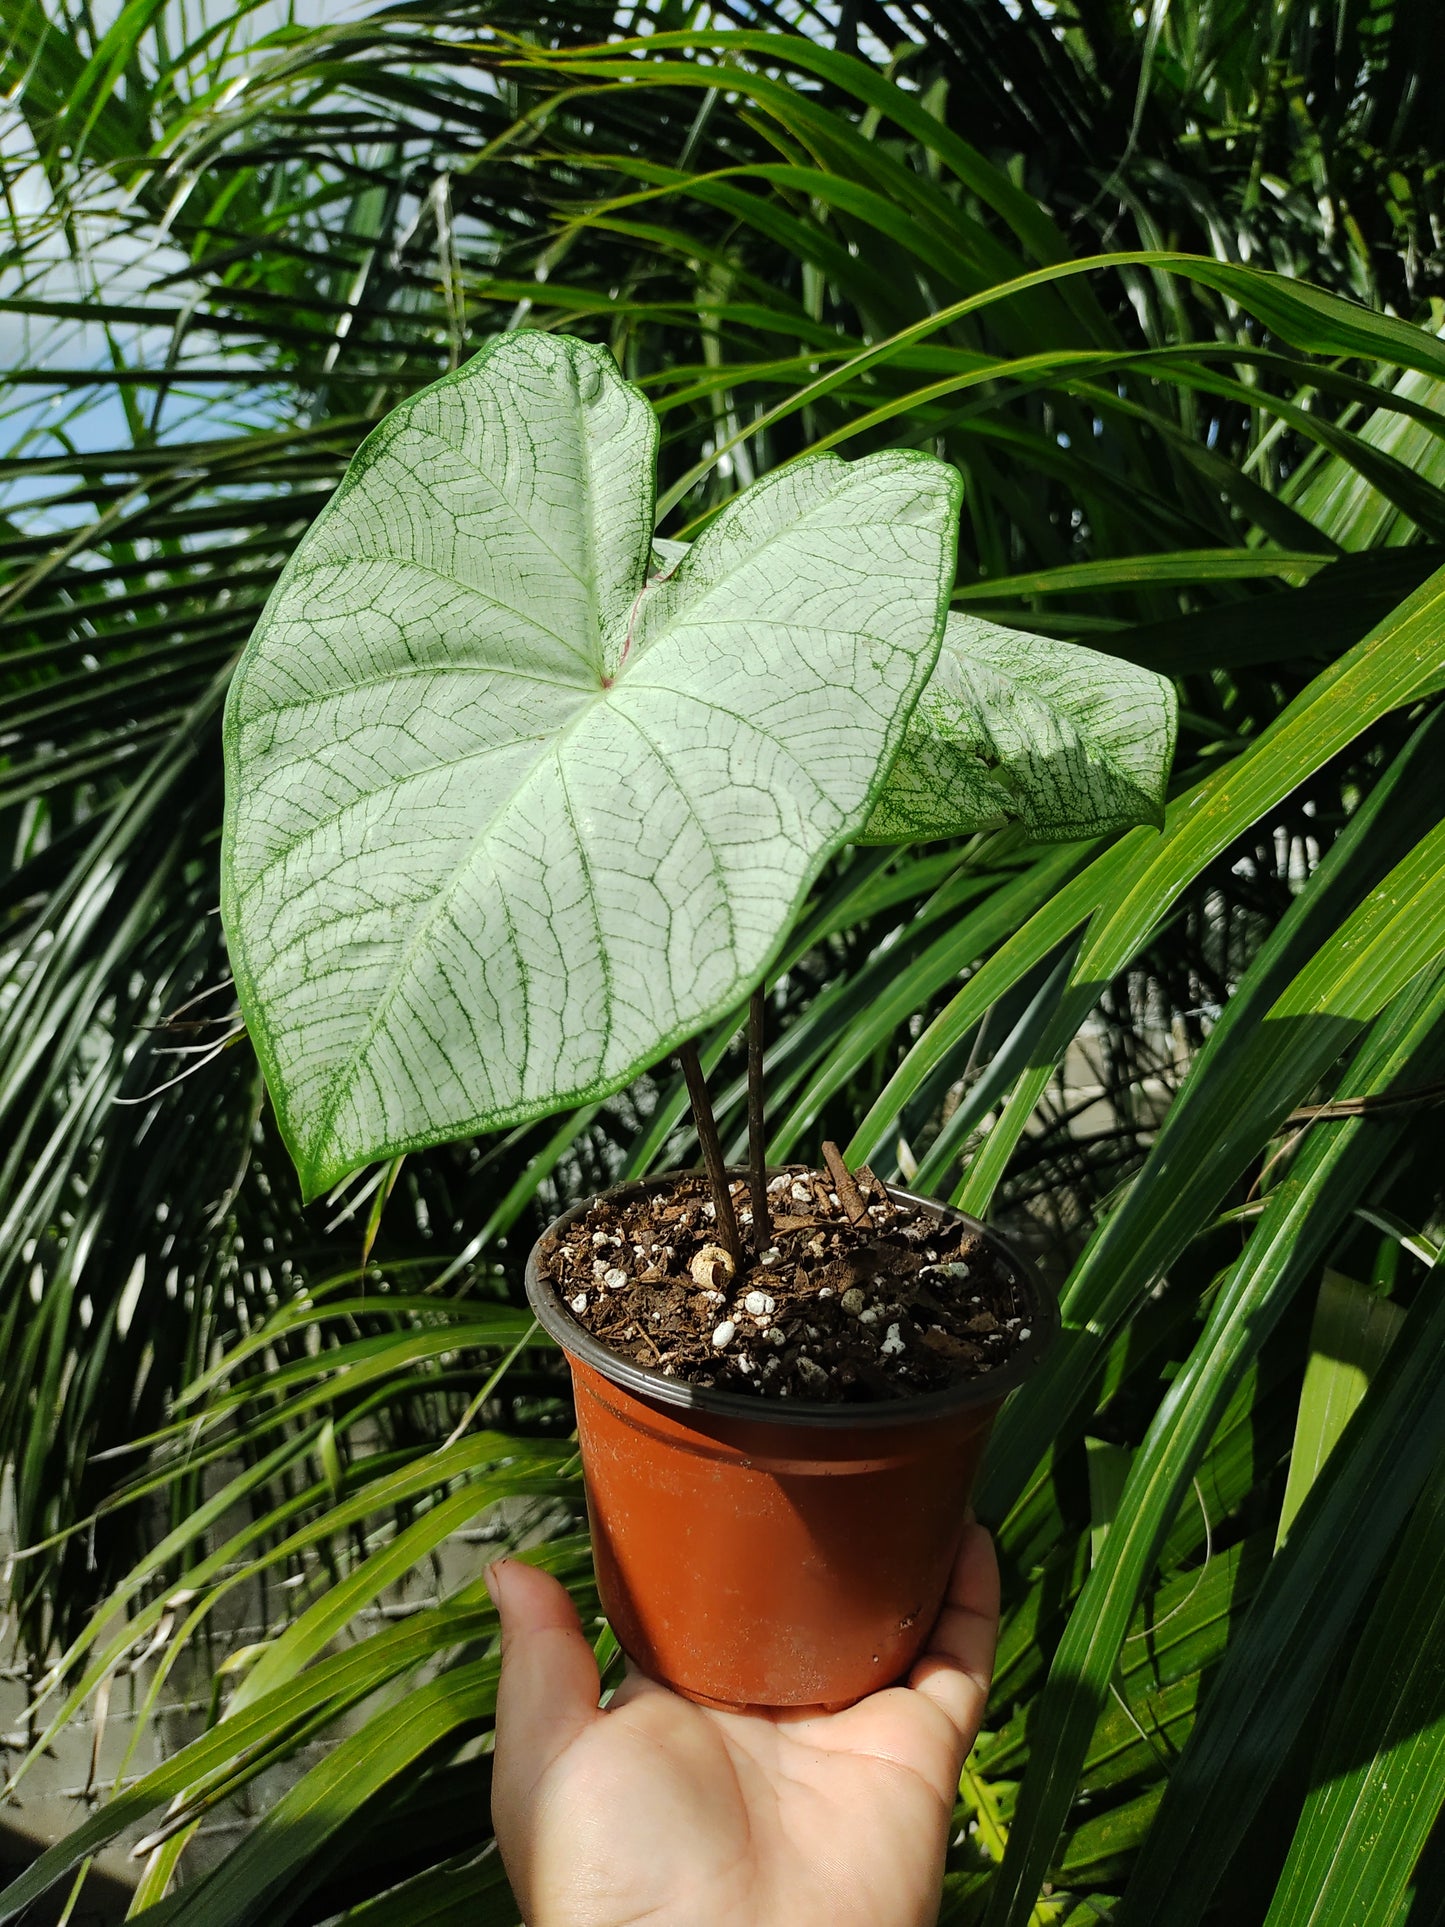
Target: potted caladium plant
{"type": "Point", "coordinates": [519, 800]}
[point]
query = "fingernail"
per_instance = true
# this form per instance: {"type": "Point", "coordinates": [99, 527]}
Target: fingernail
{"type": "Point", "coordinates": [970, 1517]}
{"type": "Point", "coordinates": [490, 1579]}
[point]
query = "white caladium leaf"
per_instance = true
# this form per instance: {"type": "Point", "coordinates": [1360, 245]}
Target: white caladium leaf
{"type": "Point", "coordinates": [1018, 728]}
{"type": "Point", "coordinates": [512, 809]}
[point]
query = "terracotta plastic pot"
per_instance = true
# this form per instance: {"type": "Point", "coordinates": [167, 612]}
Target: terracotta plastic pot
{"type": "Point", "coordinates": [762, 1553]}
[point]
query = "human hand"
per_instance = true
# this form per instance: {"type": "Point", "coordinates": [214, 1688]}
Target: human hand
{"type": "Point", "coordinates": [659, 1811]}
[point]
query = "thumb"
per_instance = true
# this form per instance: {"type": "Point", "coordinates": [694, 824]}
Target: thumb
{"type": "Point", "coordinates": [548, 1691]}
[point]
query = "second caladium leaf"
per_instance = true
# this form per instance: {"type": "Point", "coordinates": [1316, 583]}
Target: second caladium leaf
{"type": "Point", "coordinates": [1020, 729]}
{"type": "Point", "coordinates": [509, 813]}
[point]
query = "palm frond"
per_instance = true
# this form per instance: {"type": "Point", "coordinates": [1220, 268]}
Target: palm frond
{"type": "Point", "coordinates": [1033, 247]}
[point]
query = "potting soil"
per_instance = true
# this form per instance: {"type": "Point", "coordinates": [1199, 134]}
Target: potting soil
{"type": "Point", "coordinates": [828, 1310]}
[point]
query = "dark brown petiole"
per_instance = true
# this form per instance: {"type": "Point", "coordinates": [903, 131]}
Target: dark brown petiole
{"type": "Point", "coordinates": [712, 1157]}
{"type": "Point", "coordinates": [757, 1141]}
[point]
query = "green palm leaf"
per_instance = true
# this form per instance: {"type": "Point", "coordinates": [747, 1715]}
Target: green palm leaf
{"type": "Point", "coordinates": [1017, 249]}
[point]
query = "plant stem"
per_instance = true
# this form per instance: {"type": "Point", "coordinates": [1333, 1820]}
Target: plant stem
{"type": "Point", "coordinates": [757, 1144]}
{"type": "Point", "coordinates": [712, 1157]}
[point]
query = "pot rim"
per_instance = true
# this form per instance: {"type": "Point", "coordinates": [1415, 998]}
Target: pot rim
{"type": "Point", "coordinates": [553, 1314]}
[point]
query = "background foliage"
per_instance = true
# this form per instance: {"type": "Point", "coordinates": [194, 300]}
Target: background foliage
{"type": "Point", "coordinates": [1194, 1067]}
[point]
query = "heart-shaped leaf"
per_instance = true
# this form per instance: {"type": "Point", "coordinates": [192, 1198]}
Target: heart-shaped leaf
{"type": "Point", "coordinates": [1018, 728]}
{"type": "Point", "coordinates": [507, 817]}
